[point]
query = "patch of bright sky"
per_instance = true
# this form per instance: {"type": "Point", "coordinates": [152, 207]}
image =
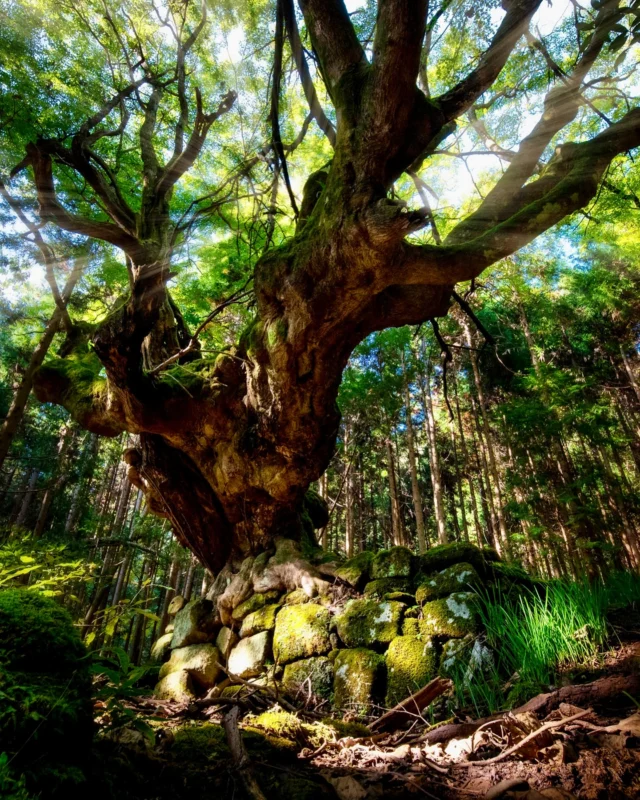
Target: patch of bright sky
{"type": "Point", "coordinates": [459, 185]}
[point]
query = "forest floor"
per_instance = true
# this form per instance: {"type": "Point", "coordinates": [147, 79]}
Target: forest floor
{"type": "Point", "coordinates": [580, 741]}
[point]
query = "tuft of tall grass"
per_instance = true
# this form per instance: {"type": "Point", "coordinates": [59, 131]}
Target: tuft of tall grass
{"type": "Point", "coordinates": [536, 636]}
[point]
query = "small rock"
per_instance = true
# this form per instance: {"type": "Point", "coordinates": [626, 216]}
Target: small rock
{"type": "Point", "coordinates": [264, 619]}
{"type": "Point", "coordinates": [301, 631]}
{"type": "Point", "coordinates": [296, 597]}
{"type": "Point", "coordinates": [170, 628]}
{"type": "Point", "coordinates": [194, 624]}
{"type": "Point", "coordinates": [444, 555]}
{"type": "Point", "coordinates": [161, 648]}
{"type": "Point", "coordinates": [248, 657]}
{"type": "Point", "coordinates": [392, 563]}
{"type": "Point", "coordinates": [382, 586]}
{"type": "Point", "coordinates": [411, 664]}
{"type": "Point", "coordinates": [357, 570]}
{"type": "Point", "coordinates": [359, 679]}
{"type": "Point", "coordinates": [367, 623]}
{"type": "Point", "coordinates": [253, 603]}
{"type": "Point", "coordinates": [314, 675]}
{"type": "Point", "coordinates": [454, 616]}
{"type": "Point", "coordinates": [176, 686]}
{"type": "Point", "coordinates": [177, 604]}
{"type": "Point", "coordinates": [456, 578]}
{"type": "Point", "coordinates": [199, 660]}
{"type": "Point", "coordinates": [226, 641]}
{"type": "Point", "coordinates": [401, 597]}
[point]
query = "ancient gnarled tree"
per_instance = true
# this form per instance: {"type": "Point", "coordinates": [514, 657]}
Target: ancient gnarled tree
{"type": "Point", "coordinates": [229, 461]}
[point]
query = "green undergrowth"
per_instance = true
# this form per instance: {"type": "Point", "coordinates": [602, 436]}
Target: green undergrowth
{"type": "Point", "coordinates": [537, 638]}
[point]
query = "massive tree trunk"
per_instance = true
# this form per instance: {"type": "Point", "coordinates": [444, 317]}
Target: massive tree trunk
{"type": "Point", "coordinates": [229, 458]}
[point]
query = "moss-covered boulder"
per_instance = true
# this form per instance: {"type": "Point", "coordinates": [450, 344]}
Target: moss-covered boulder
{"type": "Point", "coordinates": [512, 577]}
{"type": "Point", "coordinates": [176, 686]}
{"type": "Point", "coordinates": [301, 631]}
{"type": "Point", "coordinates": [249, 656]}
{"type": "Point", "coordinates": [161, 648]}
{"type": "Point", "coordinates": [194, 624]}
{"type": "Point", "coordinates": [357, 570]}
{"type": "Point", "coordinates": [201, 661]}
{"type": "Point", "coordinates": [411, 663]}
{"type": "Point", "coordinates": [453, 617]}
{"type": "Point", "coordinates": [396, 562]}
{"type": "Point", "coordinates": [457, 578]}
{"type": "Point", "coordinates": [226, 640]}
{"type": "Point", "coordinates": [309, 676]}
{"type": "Point", "coordinates": [444, 555]}
{"type": "Point", "coordinates": [264, 619]}
{"type": "Point", "coordinates": [46, 724]}
{"type": "Point", "coordinates": [410, 626]}
{"type": "Point", "coordinates": [254, 603]}
{"type": "Point", "coordinates": [382, 586]}
{"type": "Point", "coordinates": [359, 681]}
{"type": "Point", "coordinates": [296, 597]}
{"type": "Point", "coordinates": [400, 597]}
{"type": "Point", "coordinates": [368, 623]}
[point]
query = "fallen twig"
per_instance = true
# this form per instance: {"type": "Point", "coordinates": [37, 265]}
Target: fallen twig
{"type": "Point", "coordinates": [413, 704]}
{"type": "Point", "coordinates": [534, 734]}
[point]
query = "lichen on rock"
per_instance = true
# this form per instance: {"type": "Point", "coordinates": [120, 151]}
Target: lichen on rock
{"type": "Point", "coordinates": [359, 681]}
{"type": "Point", "coordinates": [456, 578]}
{"type": "Point", "coordinates": [444, 555]}
{"type": "Point", "coordinates": [368, 623]}
{"type": "Point", "coordinates": [396, 562]}
{"type": "Point", "coordinates": [454, 616]}
{"type": "Point", "coordinates": [411, 663]}
{"type": "Point", "coordinates": [264, 619]}
{"type": "Point", "coordinates": [310, 675]}
{"type": "Point", "coordinates": [301, 631]}
{"type": "Point", "coordinates": [462, 659]}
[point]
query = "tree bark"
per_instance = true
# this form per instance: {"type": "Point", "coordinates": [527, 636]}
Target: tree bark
{"type": "Point", "coordinates": [413, 468]}
{"type": "Point", "coordinates": [434, 459]}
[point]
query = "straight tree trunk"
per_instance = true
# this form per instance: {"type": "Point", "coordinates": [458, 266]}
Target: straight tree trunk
{"type": "Point", "coordinates": [396, 527]}
{"type": "Point", "coordinates": [492, 459]}
{"type": "Point", "coordinates": [65, 442]}
{"type": "Point", "coordinates": [413, 468]}
{"type": "Point", "coordinates": [434, 460]}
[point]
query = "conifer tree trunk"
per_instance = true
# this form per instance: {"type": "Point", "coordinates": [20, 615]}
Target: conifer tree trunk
{"type": "Point", "coordinates": [65, 442]}
{"type": "Point", "coordinates": [27, 499]}
{"type": "Point", "coordinates": [495, 490]}
{"type": "Point", "coordinates": [413, 468]}
{"type": "Point", "coordinates": [396, 525]}
{"type": "Point", "coordinates": [434, 459]}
